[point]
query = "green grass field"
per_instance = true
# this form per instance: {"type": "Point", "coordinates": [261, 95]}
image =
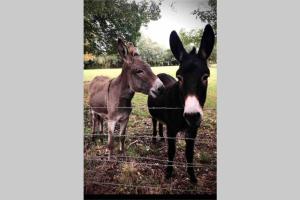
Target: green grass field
{"type": "Point", "coordinates": [141, 99]}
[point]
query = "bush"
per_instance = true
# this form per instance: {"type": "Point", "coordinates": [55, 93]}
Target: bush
{"type": "Point", "coordinates": [103, 62]}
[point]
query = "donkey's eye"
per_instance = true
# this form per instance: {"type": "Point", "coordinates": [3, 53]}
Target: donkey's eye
{"type": "Point", "coordinates": [204, 78]}
{"type": "Point", "coordinates": [139, 71]}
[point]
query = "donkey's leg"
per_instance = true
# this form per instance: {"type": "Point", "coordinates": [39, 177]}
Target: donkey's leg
{"type": "Point", "coordinates": [111, 128]}
{"type": "Point", "coordinates": [154, 122]}
{"type": "Point", "coordinates": [95, 124]}
{"type": "Point", "coordinates": [171, 151]}
{"type": "Point", "coordinates": [160, 131]}
{"type": "Point", "coordinates": [101, 129]}
{"type": "Point", "coordinates": [189, 153]}
{"type": "Point", "coordinates": [123, 126]}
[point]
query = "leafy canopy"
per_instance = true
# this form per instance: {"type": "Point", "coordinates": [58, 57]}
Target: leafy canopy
{"type": "Point", "coordinates": [192, 39]}
{"type": "Point", "coordinates": [208, 16]}
{"type": "Point", "coordinates": [106, 20]}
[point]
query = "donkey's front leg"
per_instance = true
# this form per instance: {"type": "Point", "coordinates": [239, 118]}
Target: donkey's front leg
{"type": "Point", "coordinates": [171, 152]}
{"type": "Point", "coordinates": [123, 126]}
{"type": "Point", "coordinates": [189, 153]}
{"type": "Point", "coordinates": [154, 122]}
{"type": "Point", "coordinates": [161, 131]}
{"type": "Point", "coordinates": [111, 128]}
{"type": "Point", "coordinates": [101, 128]}
{"type": "Point", "coordinates": [95, 124]}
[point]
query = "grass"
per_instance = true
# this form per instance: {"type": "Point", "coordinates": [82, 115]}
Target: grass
{"type": "Point", "coordinates": [141, 99]}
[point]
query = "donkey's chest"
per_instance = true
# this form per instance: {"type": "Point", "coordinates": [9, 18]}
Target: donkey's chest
{"type": "Point", "coordinates": [121, 115]}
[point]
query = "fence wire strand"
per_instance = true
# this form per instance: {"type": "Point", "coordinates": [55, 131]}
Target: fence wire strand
{"type": "Point", "coordinates": [144, 158]}
{"type": "Point", "coordinates": [142, 186]}
{"type": "Point", "coordinates": [147, 136]}
{"type": "Point", "coordinates": [175, 163]}
{"type": "Point", "coordinates": [146, 107]}
{"type": "Point", "coordinates": [147, 164]}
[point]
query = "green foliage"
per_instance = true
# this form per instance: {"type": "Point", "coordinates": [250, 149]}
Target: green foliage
{"type": "Point", "coordinates": [103, 62]}
{"type": "Point", "coordinates": [106, 20]}
{"type": "Point", "coordinates": [153, 54]}
{"type": "Point", "coordinates": [192, 39]}
{"type": "Point", "coordinates": [208, 16]}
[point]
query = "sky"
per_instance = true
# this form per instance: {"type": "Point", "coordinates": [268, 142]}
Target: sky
{"type": "Point", "coordinates": [175, 15]}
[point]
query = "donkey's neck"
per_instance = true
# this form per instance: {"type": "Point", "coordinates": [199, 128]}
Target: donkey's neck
{"type": "Point", "coordinates": [121, 84]}
{"type": "Point", "coordinates": [171, 97]}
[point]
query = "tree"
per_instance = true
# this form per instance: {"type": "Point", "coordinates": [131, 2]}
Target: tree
{"type": "Point", "coordinates": [150, 51]}
{"type": "Point", "coordinates": [192, 39]}
{"type": "Point", "coordinates": [168, 58]}
{"type": "Point", "coordinates": [106, 20]}
{"type": "Point", "coordinates": [208, 16]}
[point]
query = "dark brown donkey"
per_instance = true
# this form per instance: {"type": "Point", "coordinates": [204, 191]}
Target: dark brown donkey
{"type": "Point", "coordinates": [110, 99]}
{"type": "Point", "coordinates": [187, 96]}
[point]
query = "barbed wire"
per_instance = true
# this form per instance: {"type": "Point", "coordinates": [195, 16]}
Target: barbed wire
{"type": "Point", "coordinates": [146, 107]}
{"type": "Point", "coordinates": [142, 186]}
{"type": "Point", "coordinates": [146, 136]}
{"type": "Point", "coordinates": [148, 164]}
{"type": "Point", "coordinates": [175, 163]}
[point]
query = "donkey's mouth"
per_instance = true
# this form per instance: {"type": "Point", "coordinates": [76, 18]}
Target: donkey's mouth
{"type": "Point", "coordinates": [153, 93]}
{"type": "Point", "coordinates": [157, 88]}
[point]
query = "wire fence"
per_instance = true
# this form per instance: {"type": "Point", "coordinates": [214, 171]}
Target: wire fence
{"type": "Point", "coordinates": [141, 160]}
{"type": "Point", "coordinates": [146, 107]}
{"type": "Point", "coordinates": [141, 157]}
{"type": "Point", "coordinates": [147, 164]}
{"type": "Point", "coordinates": [147, 136]}
{"type": "Point", "coordinates": [144, 186]}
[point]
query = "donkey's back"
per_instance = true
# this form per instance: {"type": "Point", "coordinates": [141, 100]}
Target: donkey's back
{"type": "Point", "coordinates": [166, 79]}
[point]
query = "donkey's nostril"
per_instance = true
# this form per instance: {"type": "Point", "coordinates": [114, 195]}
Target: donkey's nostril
{"type": "Point", "coordinates": [193, 119]}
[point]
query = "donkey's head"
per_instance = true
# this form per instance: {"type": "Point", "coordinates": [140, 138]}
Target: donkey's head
{"type": "Point", "coordinates": [193, 74]}
{"type": "Point", "coordinates": [139, 74]}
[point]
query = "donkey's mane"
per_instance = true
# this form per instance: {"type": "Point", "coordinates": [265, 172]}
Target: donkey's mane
{"type": "Point", "coordinates": [132, 50]}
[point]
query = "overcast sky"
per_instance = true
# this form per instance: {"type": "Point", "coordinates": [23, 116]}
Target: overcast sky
{"type": "Point", "coordinates": [175, 14]}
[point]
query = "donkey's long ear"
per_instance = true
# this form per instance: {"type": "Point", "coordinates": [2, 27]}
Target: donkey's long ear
{"type": "Point", "coordinates": [122, 49]}
{"type": "Point", "coordinates": [176, 46]}
{"type": "Point", "coordinates": [207, 42]}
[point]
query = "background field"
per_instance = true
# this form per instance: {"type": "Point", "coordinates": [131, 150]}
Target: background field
{"type": "Point", "coordinates": [140, 99]}
{"type": "Point", "coordinates": [130, 174]}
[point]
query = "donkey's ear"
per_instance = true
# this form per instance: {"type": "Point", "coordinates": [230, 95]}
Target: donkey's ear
{"type": "Point", "coordinates": [207, 42]}
{"type": "Point", "coordinates": [176, 46]}
{"type": "Point", "coordinates": [122, 49]}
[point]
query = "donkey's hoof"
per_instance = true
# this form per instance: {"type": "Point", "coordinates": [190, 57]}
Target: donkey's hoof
{"type": "Point", "coordinates": [193, 180]}
{"type": "Point", "coordinates": [168, 175]}
{"type": "Point", "coordinates": [108, 152]}
{"type": "Point", "coordinates": [122, 152]}
{"type": "Point", "coordinates": [153, 140]}
{"type": "Point", "coordinates": [169, 172]}
{"type": "Point", "coordinates": [101, 140]}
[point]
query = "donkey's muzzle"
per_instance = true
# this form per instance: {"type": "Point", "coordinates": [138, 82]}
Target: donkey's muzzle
{"type": "Point", "coordinates": [192, 119]}
{"type": "Point", "coordinates": [157, 88]}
